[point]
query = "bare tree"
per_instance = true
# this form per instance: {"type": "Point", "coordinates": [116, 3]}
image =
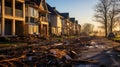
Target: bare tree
{"type": "Point", "coordinates": [101, 15]}
{"type": "Point", "coordinates": [87, 28]}
{"type": "Point", "coordinates": [113, 13]}
{"type": "Point", "coordinates": [107, 13]}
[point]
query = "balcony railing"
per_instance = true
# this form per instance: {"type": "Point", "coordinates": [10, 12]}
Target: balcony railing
{"type": "Point", "coordinates": [18, 13]}
{"type": "Point", "coordinates": [44, 19]}
{"type": "Point", "coordinates": [8, 11]}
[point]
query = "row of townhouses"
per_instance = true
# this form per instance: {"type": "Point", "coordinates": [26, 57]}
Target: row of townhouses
{"type": "Point", "coordinates": [18, 17]}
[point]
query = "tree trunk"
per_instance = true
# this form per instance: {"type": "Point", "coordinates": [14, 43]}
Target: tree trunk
{"type": "Point", "coordinates": [106, 21]}
{"type": "Point", "coordinates": [111, 25]}
{"type": "Point", "coordinates": [106, 30]}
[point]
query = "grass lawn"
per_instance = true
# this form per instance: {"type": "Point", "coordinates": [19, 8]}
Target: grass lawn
{"type": "Point", "coordinates": [116, 38]}
{"type": "Point", "coordinates": [7, 44]}
{"type": "Point", "coordinates": [117, 35]}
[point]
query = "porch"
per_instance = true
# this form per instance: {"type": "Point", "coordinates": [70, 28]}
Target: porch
{"type": "Point", "coordinates": [44, 29]}
{"type": "Point", "coordinates": [10, 27]}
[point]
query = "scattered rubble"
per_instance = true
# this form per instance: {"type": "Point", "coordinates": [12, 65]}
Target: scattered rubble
{"type": "Point", "coordinates": [60, 54]}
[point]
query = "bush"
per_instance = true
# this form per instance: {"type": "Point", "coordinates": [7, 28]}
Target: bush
{"type": "Point", "coordinates": [111, 35]}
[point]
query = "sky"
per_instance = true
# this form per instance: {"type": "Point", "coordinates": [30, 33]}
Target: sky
{"type": "Point", "coordinates": [82, 10]}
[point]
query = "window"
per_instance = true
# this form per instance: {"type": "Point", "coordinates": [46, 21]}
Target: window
{"type": "Point", "coordinates": [30, 29]}
{"type": "Point", "coordinates": [26, 19]}
{"type": "Point", "coordinates": [35, 12]}
{"type": "Point", "coordinates": [35, 30]}
{"type": "Point", "coordinates": [43, 15]}
{"type": "Point", "coordinates": [8, 3]}
{"type": "Point", "coordinates": [31, 11]}
{"type": "Point", "coordinates": [31, 20]}
{"type": "Point", "coordinates": [18, 5]}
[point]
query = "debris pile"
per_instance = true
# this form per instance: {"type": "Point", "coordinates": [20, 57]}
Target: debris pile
{"type": "Point", "coordinates": [56, 55]}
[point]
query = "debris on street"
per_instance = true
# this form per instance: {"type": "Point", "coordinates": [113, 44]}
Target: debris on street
{"type": "Point", "coordinates": [58, 54]}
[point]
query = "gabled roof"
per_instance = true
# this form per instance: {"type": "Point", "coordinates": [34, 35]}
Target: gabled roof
{"type": "Point", "coordinates": [65, 15]}
{"type": "Point", "coordinates": [72, 20]}
{"type": "Point", "coordinates": [52, 10]}
{"type": "Point", "coordinates": [31, 3]}
{"type": "Point", "coordinates": [37, 2]}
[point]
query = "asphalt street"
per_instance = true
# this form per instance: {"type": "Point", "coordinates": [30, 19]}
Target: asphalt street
{"type": "Point", "coordinates": [103, 52]}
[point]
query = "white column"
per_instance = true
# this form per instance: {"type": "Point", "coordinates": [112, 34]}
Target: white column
{"type": "Point", "coordinates": [24, 18]}
{"type": "Point", "coordinates": [13, 8]}
{"type": "Point", "coordinates": [13, 27]}
{"type": "Point", "coordinates": [24, 11]}
{"type": "Point", "coordinates": [3, 26]}
{"type": "Point", "coordinates": [3, 20]}
{"type": "Point", "coordinates": [13, 23]}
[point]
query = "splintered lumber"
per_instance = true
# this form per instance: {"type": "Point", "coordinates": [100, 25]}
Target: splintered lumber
{"type": "Point", "coordinates": [7, 60]}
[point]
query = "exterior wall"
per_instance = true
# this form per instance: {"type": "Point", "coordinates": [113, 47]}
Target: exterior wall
{"type": "Point", "coordinates": [0, 8]}
{"type": "Point", "coordinates": [31, 20]}
{"type": "Point", "coordinates": [44, 29]}
{"type": "Point", "coordinates": [78, 30]}
{"type": "Point", "coordinates": [10, 12]}
{"type": "Point", "coordinates": [43, 15]}
{"type": "Point", "coordinates": [56, 24]}
{"type": "Point", "coordinates": [53, 20]}
{"type": "Point", "coordinates": [53, 30]}
{"type": "Point", "coordinates": [33, 29]}
{"type": "Point", "coordinates": [12, 17]}
{"type": "Point", "coordinates": [0, 17]}
{"type": "Point", "coordinates": [36, 19]}
{"type": "Point", "coordinates": [71, 29]}
{"type": "Point", "coordinates": [68, 27]}
{"type": "Point", "coordinates": [64, 27]}
{"type": "Point", "coordinates": [0, 26]}
{"type": "Point", "coordinates": [74, 28]}
{"type": "Point", "coordinates": [59, 25]}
